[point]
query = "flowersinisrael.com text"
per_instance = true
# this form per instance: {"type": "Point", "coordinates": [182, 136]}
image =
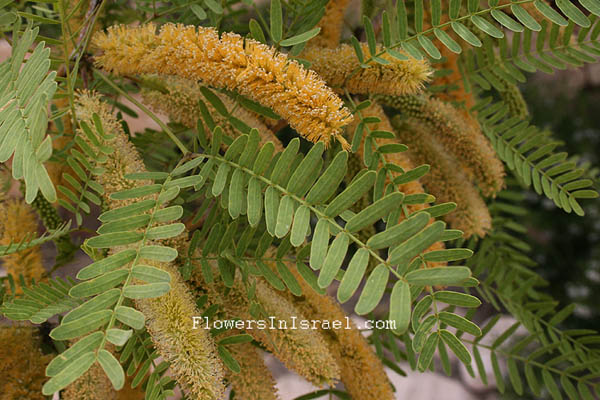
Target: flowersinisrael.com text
{"type": "Point", "coordinates": [293, 323]}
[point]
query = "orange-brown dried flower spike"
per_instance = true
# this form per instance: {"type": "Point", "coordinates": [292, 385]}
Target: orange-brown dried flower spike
{"type": "Point", "coordinates": [253, 69]}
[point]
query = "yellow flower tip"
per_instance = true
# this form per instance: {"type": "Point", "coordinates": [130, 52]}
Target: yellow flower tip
{"type": "Point", "coordinates": [341, 69]}
{"type": "Point", "coordinates": [251, 68]}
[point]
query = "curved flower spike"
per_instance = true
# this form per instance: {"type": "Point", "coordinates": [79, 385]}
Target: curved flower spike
{"type": "Point", "coordinates": [341, 70]}
{"type": "Point", "coordinates": [253, 69]}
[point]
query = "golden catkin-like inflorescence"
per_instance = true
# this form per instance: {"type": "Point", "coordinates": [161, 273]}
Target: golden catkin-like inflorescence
{"type": "Point", "coordinates": [255, 381]}
{"type": "Point", "coordinates": [18, 222]}
{"type": "Point", "coordinates": [191, 353]}
{"type": "Point", "coordinates": [444, 180]}
{"type": "Point", "coordinates": [463, 140]}
{"type": "Point", "coordinates": [124, 158]}
{"type": "Point", "coordinates": [360, 370]}
{"type": "Point", "coordinates": [232, 62]}
{"type": "Point", "coordinates": [180, 102]}
{"type": "Point", "coordinates": [341, 70]}
{"type": "Point", "coordinates": [331, 25]}
{"type": "Point", "coordinates": [303, 351]}
{"type": "Point", "coordinates": [23, 363]}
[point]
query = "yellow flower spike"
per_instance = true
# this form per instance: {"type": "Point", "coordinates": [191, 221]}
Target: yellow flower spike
{"type": "Point", "coordinates": [331, 25]}
{"type": "Point", "coordinates": [18, 222]}
{"type": "Point", "coordinates": [23, 363]}
{"type": "Point", "coordinates": [459, 136]}
{"type": "Point", "coordinates": [124, 159]}
{"type": "Point", "coordinates": [341, 70]}
{"type": "Point", "coordinates": [360, 370]}
{"type": "Point", "coordinates": [255, 381]}
{"type": "Point", "coordinates": [180, 103]}
{"type": "Point", "coordinates": [301, 350]}
{"type": "Point", "coordinates": [444, 180]}
{"type": "Point", "coordinates": [253, 69]}
{"type": "Point", "coordinates": [191, 352]}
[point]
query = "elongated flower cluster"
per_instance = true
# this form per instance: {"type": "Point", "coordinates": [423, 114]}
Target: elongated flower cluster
{"type": "Point", "coordinates": [459, 137]}
{"type": "Point", "coordinates": [341, 70]}
{"type": "Point", "coordinates": [23, 363]}
{"type": "Point", "coordinates": [331, 25]}
{"type": "Point", "coordinates": [247, 66]}
{"type": "Point", "coordinates": [361, 371]}
{"type": "Point", "coordinates": [18, 222]}
{"type": "Point", "coordinates": [124, 158]}
{"type": "Point", "coordinates": [191, 353]}
{"type": "Point", "coordinates": [301, 350]}
{"type": "Point", "coordinates": [447, 182]}
{"type": "Point", "coordinates": [179, 101]}
{"type": "Point", "coordinates": [255, 381]}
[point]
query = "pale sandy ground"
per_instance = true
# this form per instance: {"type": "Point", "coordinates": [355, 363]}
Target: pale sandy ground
{"type": "Point", "coordinates": [416, 385]}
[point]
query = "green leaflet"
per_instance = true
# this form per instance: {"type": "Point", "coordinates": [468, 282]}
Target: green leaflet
{"type": "Point", "coordinates": [459, 323]}
{"type": "Point", "coordinates": [373, 291]}
{"type": "Point", "coordinates": [73, 353]}
{"type": "Point", "coordinates": [130, 317]}
{"type": "Point", "coordinates": [457, 299]}
{"type": "Point", "coordinates": [353, 275]}
{"type": "Point", "coordinates": [69, 374]}
{"type": "Point", "coordinates": [100, 284]}
{"type": "Point", "coordinates": [107, 264]}
{"type": "Point", "coordinates": [285, 215]}
{"type": "Point", "coordinates": [27, 87]}
{"type": "Point", "coordinates": [81, 326]}
{"type": "Point", "coordinates": [289, 279]}
{"type": "Point", "coordinates": [375, 211]}
{"type": "Point", "coordinates": [333, 260]}
{"type": "Point", "coordinates": [417, 244]}
{"type": "Point", "coordinates": [118, 337]}
{"type": "Point", "coordinates": [400, 302]}
{"type": "Point", "coordinates": [442, 276]}
{"type": "Point", "coordinates": [112, 368]}
{"type": "Point", "coordinates": [399, 233]}
{"type": "Point", "coordinates": [351, 195]}
{"type": "Point", "coordinates": [146, 291]}
{"type": "Point", "coordinates": [320, 242]}
{"type": "Point", "coordinates": [301, 225]}
{"type": "Point", "coordinates": [456, 346]}
{"type": "Point", "coordinates": [101, 302]}
{"type": "Point", "coordinates": [328, 182]}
